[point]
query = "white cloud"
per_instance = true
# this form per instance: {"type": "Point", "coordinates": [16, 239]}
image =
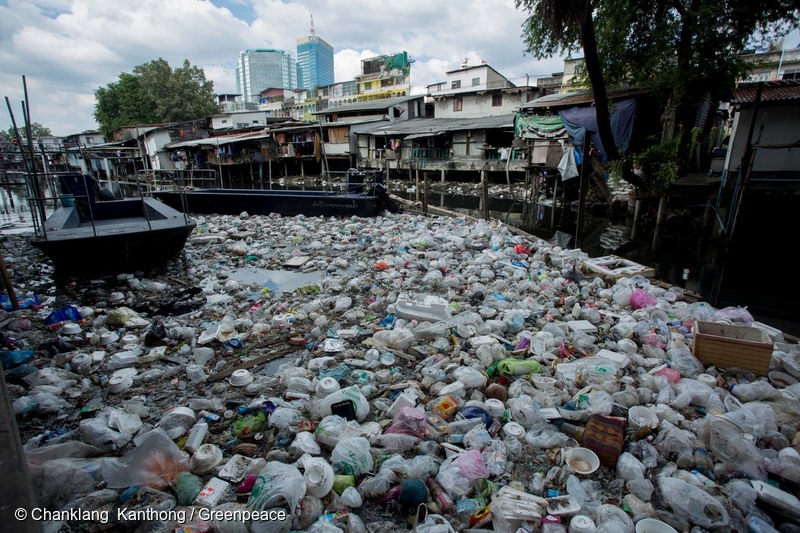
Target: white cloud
{"type": "Point", "coordinates": [69, 48]}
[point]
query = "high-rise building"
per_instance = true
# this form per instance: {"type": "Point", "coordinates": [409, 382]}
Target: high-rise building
{"type": "Point", "coordinates": [314, 61]}
{"type": "Point", "coordinates": [264, 68]}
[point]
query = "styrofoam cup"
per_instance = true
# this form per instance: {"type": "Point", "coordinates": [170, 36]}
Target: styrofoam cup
{"type": "Point", "coordinates": [495, 407]}
{"type": "Point", "coordinates": [326, 386]}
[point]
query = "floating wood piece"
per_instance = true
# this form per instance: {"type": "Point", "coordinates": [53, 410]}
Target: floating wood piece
{"type": "Point", "coordinates": [250, 364]}
{"type": "Point", "coordinates": [297, 261]}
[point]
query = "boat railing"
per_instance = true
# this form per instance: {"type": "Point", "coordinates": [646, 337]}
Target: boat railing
{"type": "Point", "coordinates": [176, 179]}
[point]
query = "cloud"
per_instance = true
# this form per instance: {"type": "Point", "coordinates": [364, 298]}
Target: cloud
{"type": "Point", "coordinates": [66, 49]}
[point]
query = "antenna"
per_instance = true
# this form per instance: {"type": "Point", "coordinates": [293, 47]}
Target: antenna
{"type": "Point", "coordinates": [465, 63]}
{"type": "Point", "coordinates": [313, 31]}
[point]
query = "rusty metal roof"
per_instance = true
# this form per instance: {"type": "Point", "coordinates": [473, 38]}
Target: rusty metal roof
{"type": "Point", "coordinates": [576, 98]}
{"type": "Point", "coordinates": [773, 91]}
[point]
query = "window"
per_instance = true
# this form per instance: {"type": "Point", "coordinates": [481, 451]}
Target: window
{"type": "Point", "coordinates": [457, 104]}
{"type": "Point", "coordinates": [456, 84]}
{"type": "Point", "coordinates": [497, 100]}
{"type": "Point", "coordinates": [791, 75]}
{"type": "Point", "coordinates": [476, 82]}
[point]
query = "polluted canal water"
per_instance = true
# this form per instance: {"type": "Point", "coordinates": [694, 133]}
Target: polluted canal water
{"type": "Point", "coordinates": [407, 372]}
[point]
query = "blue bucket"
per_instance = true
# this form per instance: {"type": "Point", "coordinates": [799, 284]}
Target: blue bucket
{"type": "Point", "coordinates": [67, 200]}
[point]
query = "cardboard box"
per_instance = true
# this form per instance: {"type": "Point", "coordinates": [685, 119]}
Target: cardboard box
{"type": "Point", "coordinates": [728, 346]}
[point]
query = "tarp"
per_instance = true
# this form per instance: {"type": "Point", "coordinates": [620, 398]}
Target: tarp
{"type": "Point", "coordinates": [578, 120]}
{"type": "Point", "coordinates": [539, 127]}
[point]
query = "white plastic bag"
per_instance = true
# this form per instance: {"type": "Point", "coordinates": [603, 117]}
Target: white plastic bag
{"type": "Point", "coordinates": [353, 456]}
{"type": "Point", "coordinates": [277, 484]}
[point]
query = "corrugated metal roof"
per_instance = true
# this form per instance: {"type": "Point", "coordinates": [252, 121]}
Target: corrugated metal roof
{"type": "Point", "coordinates": [773, 91]}
{"type": "Point", "coordinates": [433, 126]}
{"type": "Point", "coordinates": [371, 105]}
{"type": "Point", "coordinates": [317, 125]}
{"type": "Point", "coordinates": [222, 139]}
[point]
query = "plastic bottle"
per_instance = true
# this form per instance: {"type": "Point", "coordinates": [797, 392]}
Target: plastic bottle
{"type": "Point", "coordinates": [196, 436]}
{"type": "Point", "coordinates": [702, 461]}
{"type": "Point", "coordinates": [440, 496]}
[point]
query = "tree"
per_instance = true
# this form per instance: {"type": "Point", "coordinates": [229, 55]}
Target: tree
{"type": "Point", "coordinates": [154, 93]}
{"type": "Point", "coordinates": [684, 51]}
{"type": "Point", "coordinates": [37, 130]}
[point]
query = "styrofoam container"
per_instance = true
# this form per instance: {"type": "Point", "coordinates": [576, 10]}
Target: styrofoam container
{"type": "Point", "coordinates": [70, 328]}
{"type": "Point", "coordinates": [513, 429]}
{"type": "Point", "coordinates": [240, 377]}
{"type": "Point", "coordinates": [495, 407]}
{"type": "Point", "coordinates": [319, 477]}
{"type": "Point", "coordinates": [581, 460]}
{"type": "Point", "coordinates": [326, 386]}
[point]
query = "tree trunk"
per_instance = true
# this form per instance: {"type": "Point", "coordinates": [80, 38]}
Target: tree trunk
{"type": "Point", "coordinates": [595, 72]}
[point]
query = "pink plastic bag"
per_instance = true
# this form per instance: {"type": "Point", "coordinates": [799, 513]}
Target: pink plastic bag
{"type": "Point", "coordinates": [409, 421]}
{"type": "Point", "coordinates": [640, 299]}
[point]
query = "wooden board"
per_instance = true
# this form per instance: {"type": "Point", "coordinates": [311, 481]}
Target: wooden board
{"type": "Point", "coordinates": [732, 346]}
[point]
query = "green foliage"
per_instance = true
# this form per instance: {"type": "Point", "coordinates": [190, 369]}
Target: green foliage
{"type": "Point", "coordinates": [681, 51]}
{"type": "Point", "coordinates": [659, 162]}
{"type": "Point", "coordinates": [154, 93]}
{"type": "Point", "coordinates": [37, 130]}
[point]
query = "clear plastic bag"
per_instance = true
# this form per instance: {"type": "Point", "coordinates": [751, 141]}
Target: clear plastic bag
{"type": "Point", "coordinates": [156, 462]}
{"type": "Point", "coordinates": [699, 507]}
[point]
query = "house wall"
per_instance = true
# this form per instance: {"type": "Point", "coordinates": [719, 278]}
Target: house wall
{"type": "Point", "coordinates": [238, 120]}
{"type": "Point", "coordinates": [479, 105]}
{"type": "Point", "coordinates": [779, 128]}
{"type": "Point", "coordinates": [154, 143]}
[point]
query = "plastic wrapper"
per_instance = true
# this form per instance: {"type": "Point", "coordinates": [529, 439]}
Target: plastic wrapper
{"type": "Point", "coordinates": [277, 484]}
{"type": "Point", "coordinates": [545, 435]}
{"type": "Point", "coordinates": [741, 494]}
{"type": "Point", "coordinates": [420, 467]}
{"type": "Point", "coordinates": [156, 462]}
{"type": "Point", "coordinates": [757, 390]}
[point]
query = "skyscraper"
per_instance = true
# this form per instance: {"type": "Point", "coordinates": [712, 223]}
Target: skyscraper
{"type": "Point", "coordinates": [314, 61]}
{"type": "Point", "coordinates": [264, 68]}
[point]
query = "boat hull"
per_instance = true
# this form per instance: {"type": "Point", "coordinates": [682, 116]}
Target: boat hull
{"type": "Point", "coordinates": [114, 236]}
{"type": "Point", "coordinates": [115, 253]}
{"type": "Point", "coordinates": [266, 202]}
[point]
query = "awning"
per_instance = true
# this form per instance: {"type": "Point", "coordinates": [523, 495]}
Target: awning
{"type": "Point", "coordinates": [421, 135]}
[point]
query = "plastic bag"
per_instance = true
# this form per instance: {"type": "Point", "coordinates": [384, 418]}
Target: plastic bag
{"type": "Point", "coordinates": [434, 523]}
{"type": "Point", "coordinates": [277, 484]}
{"type": "Point", "coordinates": [353, 455]}
{"type": "Point", "coordinates": [629, 467]}
{"type": "Point", "coordinates": [335, 428]}
{"type": "Point", "coordinates": [737, 315]}
{"type": "Point", "coordinates": [699, 507]}
{"type": "Point", "coordinates": [470, 377]}
{"type": "Point", "coordinates": [641, 299]}
{"type": "Point", "coordinates": [409, 421]}
{"type": "Point", "coordinates": [156, 462]}
{"type": "Point", "coordinates": [95, 431]}
{"type": "Point", "coordinates": [458, 473]}
{"type": "Point", "coordinates": [684, 361]}
{"type": "Point", "coordinates": [518, 367]}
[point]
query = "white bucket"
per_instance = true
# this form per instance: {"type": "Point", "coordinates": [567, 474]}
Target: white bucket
{"type": "Point", "coordinates": [319, 477]}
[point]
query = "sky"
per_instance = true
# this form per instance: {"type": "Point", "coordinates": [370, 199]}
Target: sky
{"type": "Point", "coordinates": [66, 49]}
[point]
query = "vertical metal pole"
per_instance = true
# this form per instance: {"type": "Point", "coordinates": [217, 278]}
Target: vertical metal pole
{"type": "Point", "coordinates": [485, 195]}
{"type": "Point", "coordinates": [425, 192]}
{"type": "Point", "coordinates": [583, 188]}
